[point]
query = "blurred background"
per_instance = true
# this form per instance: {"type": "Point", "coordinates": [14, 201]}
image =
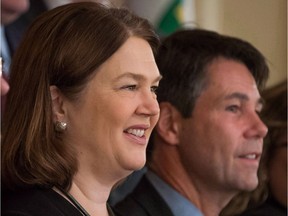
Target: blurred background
{"type": "Point", "coordinates": [261, 22]}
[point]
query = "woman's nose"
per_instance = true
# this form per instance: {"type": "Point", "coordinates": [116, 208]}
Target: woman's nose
{"type": "Point", "coordinates": [149, 105]}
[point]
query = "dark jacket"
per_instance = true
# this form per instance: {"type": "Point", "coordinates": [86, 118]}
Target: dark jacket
{"type": "Point", "coordinates": [269, 208]}
{"type": "Point", "coordinates": [143, 201]}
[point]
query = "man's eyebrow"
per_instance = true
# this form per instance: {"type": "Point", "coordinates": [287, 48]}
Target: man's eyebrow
{"type": "Point", "coordinates": [137, 77]}
{"type": "Point", "coordinates": [236, 95]}
{"type": "Point", "coordinates": [242, 97]}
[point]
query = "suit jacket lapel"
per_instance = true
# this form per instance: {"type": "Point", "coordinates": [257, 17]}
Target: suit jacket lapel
{"type": "Point", "coordinates": [147, 196]}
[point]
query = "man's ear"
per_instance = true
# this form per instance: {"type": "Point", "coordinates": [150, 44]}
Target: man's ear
{"type": "Point", "coordinates": [169, 123]}
{"type": "Point", "coordinates": [57, 104]}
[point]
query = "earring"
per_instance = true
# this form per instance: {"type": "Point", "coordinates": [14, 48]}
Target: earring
{"type": "Point", "coordinates": [60, 126]}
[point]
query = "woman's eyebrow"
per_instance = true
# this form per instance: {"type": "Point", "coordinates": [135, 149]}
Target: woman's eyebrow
{"type": "Point", "coordinates": [137, 77]}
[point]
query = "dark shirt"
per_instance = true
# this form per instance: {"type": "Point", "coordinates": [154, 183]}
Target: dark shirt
{"type": "Point", "coordinates": [269, 208]}
{"type": "Point", "coordinates": [37, 202]}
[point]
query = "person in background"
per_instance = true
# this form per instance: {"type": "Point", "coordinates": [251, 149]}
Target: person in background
{"type": "Point", "coordinates": [273, 199]}
{"type": "Point", "coordinates": [4, 85]}
{"type": "Point", "coordinates": [10, 11]}
{"type": "Point", "coordinates": [17, 15]}
{"type": "Point", "coordinates": [207, 144]}
{"type": "Point", "coordinates": [85, 112]}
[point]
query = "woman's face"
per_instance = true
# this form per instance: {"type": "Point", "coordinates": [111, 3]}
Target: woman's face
{"type": "Point", "coordinates": [112, 123]}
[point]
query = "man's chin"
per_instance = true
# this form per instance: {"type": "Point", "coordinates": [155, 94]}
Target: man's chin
{"type": "Point", "coordinates": [250, 185]}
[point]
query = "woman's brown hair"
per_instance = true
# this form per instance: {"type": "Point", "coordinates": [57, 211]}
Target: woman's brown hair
{"type": "Point", "coordinates": [63, 47]}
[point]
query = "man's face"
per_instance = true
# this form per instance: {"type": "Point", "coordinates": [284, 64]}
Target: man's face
{"type": "Point", "coordinates": [12, 9]}
{"type": "Point", "coordinates": [221, 144]}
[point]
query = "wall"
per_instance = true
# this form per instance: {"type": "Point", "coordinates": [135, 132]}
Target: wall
{"type": "Point", "coordinates": [261, 22]}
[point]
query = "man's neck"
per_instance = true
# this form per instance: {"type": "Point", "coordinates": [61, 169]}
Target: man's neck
{"type": "Point", "coordinates": [169, 168]}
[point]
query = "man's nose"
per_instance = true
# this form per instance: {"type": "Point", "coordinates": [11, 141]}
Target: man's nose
{"type": "Point", "coordinates": [257, 129]}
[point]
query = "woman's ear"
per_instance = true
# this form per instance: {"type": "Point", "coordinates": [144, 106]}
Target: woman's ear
{"type": "Point", "coordinates": [169, 123]}
{"type": "Point", "coordinates": [57, 104]}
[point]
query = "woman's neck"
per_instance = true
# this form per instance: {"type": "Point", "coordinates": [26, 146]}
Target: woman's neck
{"type": "Point", "coordinates": [92, 196]}
{"type": "Point", "coordinates": [89, 198]}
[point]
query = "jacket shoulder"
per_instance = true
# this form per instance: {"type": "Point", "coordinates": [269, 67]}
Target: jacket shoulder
{"type": "Point", "coordinates": [143, 201]}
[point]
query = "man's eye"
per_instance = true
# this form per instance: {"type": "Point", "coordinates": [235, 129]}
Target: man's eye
{"type": "Point", "coordinates": [154, 89]}
{"type": "Point", "coordinates": [233, 108]}
{"type": "Point", "coordinates": [129, 87]}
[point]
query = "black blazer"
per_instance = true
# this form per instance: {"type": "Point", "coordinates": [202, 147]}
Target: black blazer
{"type": "Point", "coordinates": [143, 201]}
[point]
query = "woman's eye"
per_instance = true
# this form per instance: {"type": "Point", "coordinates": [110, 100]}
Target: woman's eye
{"type": "Point", "coordinates": [233, 108]}
{"type": "Point", "coordinates": [154, 89]}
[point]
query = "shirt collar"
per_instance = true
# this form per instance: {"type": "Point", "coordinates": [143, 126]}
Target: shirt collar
{"type": "Point", "coordinates": [179, 205]}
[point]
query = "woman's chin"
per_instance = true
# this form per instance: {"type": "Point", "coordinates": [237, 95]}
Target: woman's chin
{"type": "Point", "coordinates": [135, 165]}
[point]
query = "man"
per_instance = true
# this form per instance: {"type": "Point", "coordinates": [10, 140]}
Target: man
{"type": "Point", "coordinates": [208, 141]}
{"type": "Point", "coordinates": [274, 160]}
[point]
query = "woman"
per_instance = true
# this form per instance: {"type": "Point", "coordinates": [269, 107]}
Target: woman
{"type": "Point", "coordinates": [80, 110]}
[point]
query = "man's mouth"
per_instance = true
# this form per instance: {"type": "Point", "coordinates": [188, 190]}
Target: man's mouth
{"type": "Point", "coordinates": [136, 132]}
{"type": "Point", "coordinates": [251, 156]}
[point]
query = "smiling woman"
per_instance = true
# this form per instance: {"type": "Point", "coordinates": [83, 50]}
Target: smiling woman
{"type": "Point", "coordinates": [87, 76]}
